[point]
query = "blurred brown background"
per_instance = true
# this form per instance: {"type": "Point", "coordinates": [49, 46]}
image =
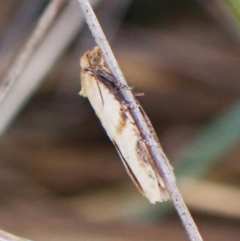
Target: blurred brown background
{"type": "Point", "coordinates": [60, 176]}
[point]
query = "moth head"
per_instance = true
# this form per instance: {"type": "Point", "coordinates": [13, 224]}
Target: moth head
{"type": "Point", "coordinates": [96, 58]}
{"type": "Point", "coordinates": [92, 59]}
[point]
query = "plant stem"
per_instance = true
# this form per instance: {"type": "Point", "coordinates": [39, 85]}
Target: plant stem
{"type": "Point", "coordinates": [29, 48]}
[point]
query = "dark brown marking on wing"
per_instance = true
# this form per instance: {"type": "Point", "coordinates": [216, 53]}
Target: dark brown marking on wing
{"type": "Point", "coordinates": [142, 152]}
{"type": "Point", "coordinates": [110, 83]}
{"type": "Point", "coordinates": [122, 122]}
{"type": "Point", "coordinates": [128, 169]}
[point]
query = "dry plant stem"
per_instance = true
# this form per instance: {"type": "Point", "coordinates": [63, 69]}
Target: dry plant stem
{"type": "Point", "coordinates": [155, 150]}
{"type": "Point", "coordinates": [27, 51]}
{"type": "Point", "coordinates": [4, 236]}
{"type": "Point", "coordinates": [41, 62]}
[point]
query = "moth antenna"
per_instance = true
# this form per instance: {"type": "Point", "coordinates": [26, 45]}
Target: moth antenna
{"type": "Point", "coordinates": [94, 73]}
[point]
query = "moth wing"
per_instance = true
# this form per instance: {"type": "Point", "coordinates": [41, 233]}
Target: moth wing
{"type": "Point", "coordinates": [128, 169]}
{"type": "Point", "coordinates": [155, 137]}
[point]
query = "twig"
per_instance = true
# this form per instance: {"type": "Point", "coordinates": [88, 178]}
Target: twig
{"type": "Point", "coordinates": [27, 51]}
{"type": "Point", "coordinates": [155, 150]}
{"type": "Point", "coordinates": [41, 62]}
{"type": "Point", "coordinates": [15, 31]}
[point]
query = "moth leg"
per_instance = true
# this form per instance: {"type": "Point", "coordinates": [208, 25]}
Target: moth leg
{"type": "Point", "coordinates": [146, 142]}
{"type": "Point", "coordinates": [124, 87]}
{"type": "Point", "coordinates": [138, 94]}
{"type": "Point", "coordinates": [129, 105]}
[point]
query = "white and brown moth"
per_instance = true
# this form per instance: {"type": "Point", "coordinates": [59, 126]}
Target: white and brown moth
{"type": "Point", "coordinates": [104, 94]}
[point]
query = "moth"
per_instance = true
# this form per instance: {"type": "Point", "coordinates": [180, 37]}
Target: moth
{"type": "Point", "coordinates": [105, 95]}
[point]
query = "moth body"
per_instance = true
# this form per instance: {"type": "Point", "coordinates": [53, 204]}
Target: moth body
{"type": "Point", "coordinates": [99, 86]}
